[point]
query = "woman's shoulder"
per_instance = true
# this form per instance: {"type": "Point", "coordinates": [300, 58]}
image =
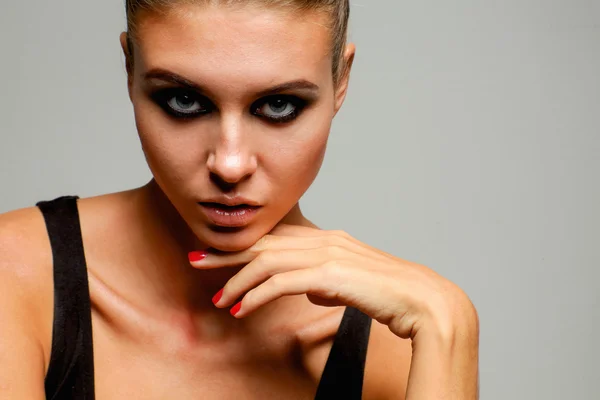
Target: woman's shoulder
{"type": "Point", "coordinates": [26, 254]}
{"type": "Point", "coordinates": [387, 365]}
{"type": "Point", "coordinates": [26, 287]}
{"type": "Point", "coordinates": [387, 362]}
{"type": "Point", "coordinates": [23, 232]}
{"type": "Point", "coordinates": [26, 260]}
{"type": "Point", "coordinates": [26, 269]}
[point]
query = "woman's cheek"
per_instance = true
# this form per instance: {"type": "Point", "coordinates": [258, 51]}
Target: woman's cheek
{"type": "Point", "coordinates": [169, 148]}
{"type": "Point", "coordinates": [296, 166]}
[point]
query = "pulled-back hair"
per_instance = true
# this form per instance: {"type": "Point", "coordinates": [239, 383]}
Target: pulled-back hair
{"type": "Point", "coordinates": [338, 11]}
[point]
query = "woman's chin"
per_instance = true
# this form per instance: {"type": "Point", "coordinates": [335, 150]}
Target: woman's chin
{"type": "Point", "coordinates": [230, 239]}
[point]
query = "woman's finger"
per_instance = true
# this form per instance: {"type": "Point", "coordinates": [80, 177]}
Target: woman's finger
{"type": "Point", "coordinates": [335, 283]}
{"type": "Point", "coordinates": [295, 230]}
{"type": "Point", "coordinates": [265, 266]}
{"type": "Point", "coordinates": [336, 237]}
{"type": "Point", "coordinates": [286, 284]}
{"type": "Point", "coordinates": [210, 260]}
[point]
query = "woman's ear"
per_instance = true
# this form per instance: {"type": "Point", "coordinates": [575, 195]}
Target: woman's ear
{"type": "Point", "coordinates": [128, 53]}
{"type": "Point", "coordinates": [342, 86]}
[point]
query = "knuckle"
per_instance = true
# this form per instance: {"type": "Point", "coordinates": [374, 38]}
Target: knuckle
{"type": "Point", "coordinates": [276, 282]}
{"type": "Point", "coordinates": [249, 297]}
{"type": "Point", "coordinates": [340, 233]}
{"type": "Point", "coordinates": [332, 269]}
{"type": "Point", "coordinates": [335, 251]}
{"type": "Point", "coordinates": [263, 244]}
{"type": "Point", "coordinates": [332, 240]}
{"type": "Point", "coordinates": [338, 238]}
{"type": "Point", "coordinates": [265, 257]}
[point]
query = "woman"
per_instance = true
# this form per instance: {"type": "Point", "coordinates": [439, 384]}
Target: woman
{"type": "Point", "coordinates": [208, 282]}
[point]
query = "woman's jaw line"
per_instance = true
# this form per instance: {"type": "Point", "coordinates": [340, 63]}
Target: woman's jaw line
{"type": "Point", "coordinates": [164, 241]}
{"type": "Point", "coordinates": [168, 218]}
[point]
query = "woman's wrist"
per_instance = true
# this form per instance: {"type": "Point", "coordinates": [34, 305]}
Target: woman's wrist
{"type": "Point", "coordinates": [445, 360]}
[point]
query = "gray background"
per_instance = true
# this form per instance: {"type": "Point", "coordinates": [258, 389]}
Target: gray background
{"type": "Point", "coordinates": [469, 143]}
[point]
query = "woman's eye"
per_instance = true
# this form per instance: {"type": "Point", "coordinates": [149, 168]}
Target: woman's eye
{"type": "Point", "coordinates": [182, 103]}
{"type": "Point", "coordinates": [279, 108]}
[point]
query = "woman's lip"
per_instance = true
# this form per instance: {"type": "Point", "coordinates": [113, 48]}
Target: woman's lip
{"type": "Point", "coordinates": [229, 216]}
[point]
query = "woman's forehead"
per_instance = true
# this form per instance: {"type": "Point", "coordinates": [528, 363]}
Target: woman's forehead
{"type": "Point", "coordinates": [223, 43]}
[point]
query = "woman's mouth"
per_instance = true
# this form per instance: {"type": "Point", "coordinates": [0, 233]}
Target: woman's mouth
{"type": "Point", "coordinates": [229, 216]}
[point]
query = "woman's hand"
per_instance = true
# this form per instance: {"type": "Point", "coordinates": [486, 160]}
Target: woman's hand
{"type": "Point", "coordinates": [334, 269]}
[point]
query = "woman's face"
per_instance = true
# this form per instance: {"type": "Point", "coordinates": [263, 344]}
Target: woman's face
{"type": "Point", "coordinates": [233, 108]}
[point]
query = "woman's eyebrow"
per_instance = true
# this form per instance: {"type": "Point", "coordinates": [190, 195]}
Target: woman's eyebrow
{"type": "Point", "coordinates": [168, 76]}
{"type": "Point", "coordinates": [300, 84]}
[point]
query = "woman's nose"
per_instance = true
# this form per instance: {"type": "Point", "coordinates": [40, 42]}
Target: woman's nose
{"type": "Point", "coordinates": [233, 160]}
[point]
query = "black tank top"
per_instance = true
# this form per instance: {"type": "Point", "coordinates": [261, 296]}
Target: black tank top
{"type": "Point", "coordinates": [71, 371]}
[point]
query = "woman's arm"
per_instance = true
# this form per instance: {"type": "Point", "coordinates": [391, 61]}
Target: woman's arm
{"type": "Point", "coordinates": [22, 365]}
{"type": "Point", "coordinates": [445, 357]}
{"type": "Point", "coordinates": [21, 357]}
{"type": "Point", "coordinates": [332, 268]}
{"type": "Point", "coordinates": [435, 365]}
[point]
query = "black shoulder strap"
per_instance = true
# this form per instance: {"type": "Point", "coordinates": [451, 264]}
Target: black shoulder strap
{"type": "Point", "coordinates": [71, 370]}
{"type": "Point", "coordinates": [343, 375]}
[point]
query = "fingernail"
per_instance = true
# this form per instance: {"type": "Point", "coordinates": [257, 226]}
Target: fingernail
{"type": "Point", "coordinates": [236, 308]}
{"type": "Point", "coordinates": [217, 297]}
{"type": "Point", "coordinates": [196, 256]}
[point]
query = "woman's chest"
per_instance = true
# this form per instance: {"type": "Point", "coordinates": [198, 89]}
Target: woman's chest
{"type": "Point", "coordinates": [166, 368]}
{"type": "Point", "coordinates": [150, 380]}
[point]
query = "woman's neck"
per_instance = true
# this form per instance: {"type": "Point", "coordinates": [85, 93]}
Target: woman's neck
{"type": "Point", "coordinates": [163, 279]}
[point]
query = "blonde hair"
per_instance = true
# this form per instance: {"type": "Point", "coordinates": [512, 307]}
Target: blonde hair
{"type": "Point", "coordinates": [338, 11]}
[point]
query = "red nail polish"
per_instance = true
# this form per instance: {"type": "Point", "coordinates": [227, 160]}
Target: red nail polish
{"type": "Point", "coordinates": [236, 308]}
{"type": "Point", "coordinates": [196, 256]}
{"type": "Point", "coordinates": [217, 297]}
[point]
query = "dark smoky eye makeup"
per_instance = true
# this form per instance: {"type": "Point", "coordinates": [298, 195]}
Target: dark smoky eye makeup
{"type": "Point", "coordinates": [279, 108]}
{"type": "Point", "coordinates": [186, 103]}
{"type": "Point", "coordinates": [182, 103]}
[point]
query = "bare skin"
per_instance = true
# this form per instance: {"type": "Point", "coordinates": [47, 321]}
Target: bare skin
{"type": "Point", "coordinates": [148, 344]}
{"type": "Point", "coordinates": [157, 333]}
